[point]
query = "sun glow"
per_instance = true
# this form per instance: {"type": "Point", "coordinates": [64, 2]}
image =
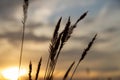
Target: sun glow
{"type": "Point", "coordinates": [12, 73]}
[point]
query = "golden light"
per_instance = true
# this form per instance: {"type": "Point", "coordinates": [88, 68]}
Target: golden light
{"type": "Point", "coordinates": [12, 73]}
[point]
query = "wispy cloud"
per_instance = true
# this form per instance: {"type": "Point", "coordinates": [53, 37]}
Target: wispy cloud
{"type": "Point", "coordinates": [103, 18]}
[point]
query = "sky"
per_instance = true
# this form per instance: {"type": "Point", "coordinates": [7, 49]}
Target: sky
{"type": "Point", "coordinates": [103, 18]}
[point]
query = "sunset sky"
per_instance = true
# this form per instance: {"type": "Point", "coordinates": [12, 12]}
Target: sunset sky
{"type": "Point", "coordinates": [103, 18]}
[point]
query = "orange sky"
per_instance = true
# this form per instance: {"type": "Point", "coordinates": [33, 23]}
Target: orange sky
{"type": "Point", "coordinates": [103, 18]}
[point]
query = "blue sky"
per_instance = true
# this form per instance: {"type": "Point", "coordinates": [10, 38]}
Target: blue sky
{"type": "Point", "coordinates": [103, 18]}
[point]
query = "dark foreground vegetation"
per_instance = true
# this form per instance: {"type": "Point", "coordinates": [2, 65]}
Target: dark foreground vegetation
{"type": "Point", "coordinates": [58, 41]}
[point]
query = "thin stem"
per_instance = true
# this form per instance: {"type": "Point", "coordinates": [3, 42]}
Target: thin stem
{"type": "Point", "coordinates": [22, 45]}
{"type": "Point", "coordinates": [84, 54]}
{"type": "Point", "coordinates": [25, 8]}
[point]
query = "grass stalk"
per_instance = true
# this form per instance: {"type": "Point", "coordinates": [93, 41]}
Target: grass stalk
{"type": "Point", "coordinates": [38, 69]}
{"type": "Point", "coordinates": [68, 71]}
{"type": "Point", "coordinates": [84, 54]}
{"type": "Point", "coordinates": [52, 45]}
{"type": "Point", "coordinates": [30, 71]}
{"type": "Point", "coordinates": [57, 43]}
{"type": "Point", "coordinates": [25, 8]}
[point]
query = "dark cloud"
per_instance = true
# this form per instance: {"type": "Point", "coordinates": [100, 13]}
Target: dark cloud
{"type": "Point", "coordinates": [90, 20]}
{"type": "Point", "coordinates": [115, 4]}
{"type": "Point", "coordinates": [86, 39]}
{"type": "Point", "coordinates": [109, 69]}
{"type": "Point", "coordinates": [15, 36]}
{"type": "Point", "coordinates": [112, 30]}
{"type": "Point", "coordinates": [7, 7]}
{"type": "Point", "coordinates": [104, 58]}
{"type": "Point", "coordinates": [106, 68]}
{"type": "Point", "coordinates": [34, 25]}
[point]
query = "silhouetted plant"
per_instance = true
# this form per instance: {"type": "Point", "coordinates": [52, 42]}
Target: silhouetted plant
{"type": "Point", "coordinates": [38, 69]}
{"type": "Point", "coordinates": [68, 71]}
{"type": "Point", "coordinates": [57, 43]}
{"type": "Point", "coordinates": [25, 9]}
{"type": "Point", "coordinates": [30, 71]}
{"type": "Point", "coordinates": [83, 55]}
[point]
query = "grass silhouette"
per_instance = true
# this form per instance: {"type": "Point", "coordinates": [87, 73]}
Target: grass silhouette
{"type": "Point", "coordinates": [25, 8]}
{"type": "Point", "coordinates": [58, 41]}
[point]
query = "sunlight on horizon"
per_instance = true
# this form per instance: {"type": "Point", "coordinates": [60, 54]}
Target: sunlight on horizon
{"type": "Point", "coordinates": [12, 73]}
{"type": "Point", "coordinates": [102, 60]}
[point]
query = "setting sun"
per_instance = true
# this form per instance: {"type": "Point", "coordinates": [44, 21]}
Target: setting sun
{"type": "Point", "coordinates": [12, 73]}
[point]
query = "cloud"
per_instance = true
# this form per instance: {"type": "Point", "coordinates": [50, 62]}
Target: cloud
{"type": "Point", "coordinates": [8, 8]}
{"type": "Point", "coordinates": [16, 36]}
{"type": "Point", "coordinates": [103, 18]}
{"type": "Point", "coordinates": [114, 4]}
{"type": "Point", "coordinates": [94, 57]}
